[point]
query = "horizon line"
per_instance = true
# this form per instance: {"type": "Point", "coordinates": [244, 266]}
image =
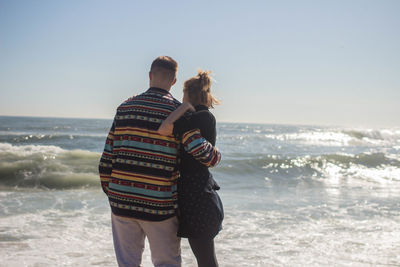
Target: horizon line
{"type": "Point", "coordinates": [228, 122]}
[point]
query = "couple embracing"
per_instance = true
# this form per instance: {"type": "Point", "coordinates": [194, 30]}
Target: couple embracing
{"type": "Point", "coordinates": [154, 170]}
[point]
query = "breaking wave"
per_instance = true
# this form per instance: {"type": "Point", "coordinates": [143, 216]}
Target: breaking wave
{"type": "Point", "coordinates": [47, 167]}
{"type": "Point", "coordinates": [332, 137]}
{"type": "Point", "coordinates": [363, 169]}
{"type": "Point", "coordinates": [52, 167]}
{"type": "Point", "coordinates": [314, 136]}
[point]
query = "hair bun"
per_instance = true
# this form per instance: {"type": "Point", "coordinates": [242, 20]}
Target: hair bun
{"type": "Point", "coordinates": [205, 79]}
{"type": "Point", "coordinates": [204, 74]}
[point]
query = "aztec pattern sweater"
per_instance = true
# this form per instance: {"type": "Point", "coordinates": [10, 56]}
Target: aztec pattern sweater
{"type": "Point", "coordinates": [139, 168]}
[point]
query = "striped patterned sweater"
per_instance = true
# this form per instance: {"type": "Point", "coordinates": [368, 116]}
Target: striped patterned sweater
{"type": "Point", "coordinates": [139, 168]}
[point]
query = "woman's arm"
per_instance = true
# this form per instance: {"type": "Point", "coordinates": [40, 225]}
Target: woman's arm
{"type": "Point", "coordinates": [167, 126]}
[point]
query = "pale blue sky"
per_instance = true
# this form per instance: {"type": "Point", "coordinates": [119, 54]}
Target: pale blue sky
{"type": "Point", "coordinates": [302, 62]}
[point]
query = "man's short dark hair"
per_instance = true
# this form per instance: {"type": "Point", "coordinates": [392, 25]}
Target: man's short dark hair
{"type": "Point", "coordinates": [165, 66]}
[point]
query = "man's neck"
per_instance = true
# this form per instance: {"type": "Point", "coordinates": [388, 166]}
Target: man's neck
{"type": "Point", "coordinates": [161, 86]}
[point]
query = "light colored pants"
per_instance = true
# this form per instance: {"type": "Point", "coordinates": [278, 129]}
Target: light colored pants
{"type": "Point", "coordinates": [129, 235]}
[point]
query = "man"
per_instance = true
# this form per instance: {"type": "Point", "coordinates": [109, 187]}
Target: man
{"type": "Point", "coordinates": [138, 172]}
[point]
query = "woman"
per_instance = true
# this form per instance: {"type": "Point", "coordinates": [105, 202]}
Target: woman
{"type": "Point", "coordinates": [200, 210]}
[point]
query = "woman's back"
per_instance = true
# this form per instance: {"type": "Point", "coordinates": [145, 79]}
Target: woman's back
{"type": "Point", "coordinates": [203, 120]}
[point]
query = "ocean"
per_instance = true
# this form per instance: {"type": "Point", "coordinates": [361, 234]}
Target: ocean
{"type": "Point", "coordinates": [293, 195]}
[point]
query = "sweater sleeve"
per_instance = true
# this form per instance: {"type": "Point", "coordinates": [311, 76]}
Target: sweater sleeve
{"type": "Point", "coordinates": [106, 160]}
{"type": "Point", "coordinates": [202, 150]}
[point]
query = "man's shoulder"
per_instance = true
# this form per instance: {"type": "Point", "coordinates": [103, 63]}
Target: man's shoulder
{"type": "Point", "coordinates": [176, 102]}
{"type": "Point", "coordinates": [129, 101]}
{"type": "Point", "coordinates": [163, 96]}
{"type": "Point", "coordinates": [150, 99]}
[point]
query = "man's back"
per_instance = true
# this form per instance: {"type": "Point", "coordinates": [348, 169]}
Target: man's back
{"type": "Point", "coordinates": [138, 168]}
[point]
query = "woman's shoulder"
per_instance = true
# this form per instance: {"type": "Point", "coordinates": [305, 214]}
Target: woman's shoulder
{"type": "Point", "coordinates": [202, 120]}
{"type": "Point", "coordinates": [203, 116]}
{"type": "Point", "coordinates": [195, 119]}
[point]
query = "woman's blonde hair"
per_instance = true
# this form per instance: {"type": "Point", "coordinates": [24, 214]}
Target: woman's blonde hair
{"type": "Point", "coordinates": [198, 89]}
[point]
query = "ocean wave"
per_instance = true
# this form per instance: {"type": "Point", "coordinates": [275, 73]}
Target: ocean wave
{"type": "Point", "coordinates": [341, 137]}
{"type": "Point", "coordinates": [374, 134]}
{"type": "Point", "coordinates": [91, 142]}
{"type": "Point", "coordinates": [308, 136]}
{"type": "Point", "coordinates": [363, 169]}
{"type": "Point", "coordinates": [52, 167]}
{"type": "Point", "coordinates": [51, 125]}
{"type": "Point", "coordinates": [47, 167]}
{"type": "Point", "coordinates": [6, 137]}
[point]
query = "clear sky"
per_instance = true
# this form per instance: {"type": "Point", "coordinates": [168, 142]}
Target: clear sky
{"type": "Point", "coordinates": [302, 62]}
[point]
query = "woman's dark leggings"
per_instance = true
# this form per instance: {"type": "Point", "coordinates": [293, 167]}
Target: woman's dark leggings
{"type": "Point", "coordinates": [203, 249]}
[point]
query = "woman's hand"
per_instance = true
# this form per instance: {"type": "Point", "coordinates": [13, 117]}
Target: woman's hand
{"type": "Point", "coordinates": [167, 127]}
{"type": "Point", "coordinates": [187, 106]}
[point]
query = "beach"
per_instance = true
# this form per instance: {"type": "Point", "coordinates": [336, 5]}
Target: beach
{"type": "Point", "coordinates": [294, 195]}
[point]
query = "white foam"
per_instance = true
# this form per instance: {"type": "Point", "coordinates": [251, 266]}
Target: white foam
{"type": "Point", "coordinates": [310, 235]}
{"type": "Point", "coordinates": [27, 150]}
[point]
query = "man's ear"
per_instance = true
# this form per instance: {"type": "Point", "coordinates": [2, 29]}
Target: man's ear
{"type": "Point", "coordinates": [173, 82]}
{"type": "Point", "coordinates": [150, 75]}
